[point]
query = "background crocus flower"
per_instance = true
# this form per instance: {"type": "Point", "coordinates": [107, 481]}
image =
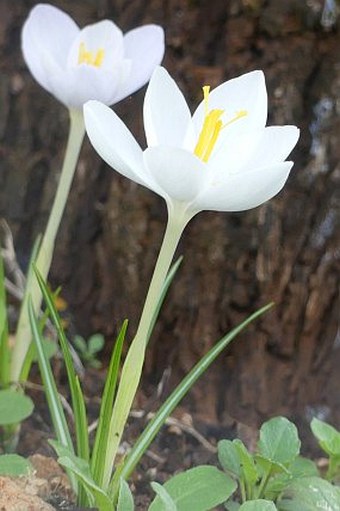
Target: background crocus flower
{"type": "Point", "coordinates": [97, 62]}
{"type": "Point", "coordinates": [222, 158]}
{"type": "Point", "coordinates": [76, 65]}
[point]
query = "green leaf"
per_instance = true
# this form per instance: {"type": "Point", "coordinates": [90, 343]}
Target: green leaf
{"type": "Point", "coordinates": [50, 348]}
{"type": "Point", "coordinates": [102, 435]}
{"type": "Point", "coordinates": [80, 344]}
{"type": "Point", "coordinates": [125, 498]}
{"type": "Point", "coordinates": [200, 489]}
{"type": "Point", "coordinates": [300, 467]}
{"type": "Point", "coordinates": [268, 466]}
{"type": "Point", "coordinates": [14, 465]}
{"type": "Point", "coordinates": [60, 425]}
{"type": "Point", "coordinates": [149, 433]}
{"type": "Point", "coordinates": [303, 467]}
{"type": "Point", "coordinates": [95, 343]}
{"type": "Point", "coordinates": [279, 440]}
{"type": "Point", "coordinates": [231, 505]}
{"type": "Point", "coordinates": [129, 380]}
{"type": "Point", "coordinates": [310, 494]}
{"type": "Point", "coordinates": [329, 437]}
{"type": "Point", "coordinates": [247, 463]}
{"type": "Point", "coordinates": [4, 347]}
{"type": "Point", "coordinates": [81, 469]}
{"type": "Point", "coordinates": [14, 406]}
{"type": "Point", "coordinates": [228, 457]}
{"type": "Point", "coordinates": [169, 278]}
{"type": "Point", "coordinates": [78, 403]}
{"type": "Point", "coordinates": [167, 502]}
{"type": "Point", "coordinates": [26, 345]}
{"type": "Point", "coordinates": [258, 505]}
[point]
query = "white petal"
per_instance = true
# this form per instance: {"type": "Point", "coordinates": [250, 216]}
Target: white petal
{"type": "Point", "coordinates": [144, 47]}
{"type": "Point", "coordinates": [275, 145]}
{"type": "Point", "coordinates": [234, 152]}
{"type": "Point", "coordinates": [166, 113]}
{"type": "Point", "coordinates": [244, 93]}
{"type": "Point", "coordinates": [104, 35]}
{"type": "Point", "coordinates": [76, 85]}
{"type": "Point", "coordinates": [113, 141]}
{"type": "Point", "coordinates": [251, 150]}
{"type": "Point", "coordinates": [47, 34]}
{"type": "Point", "coordinates": [246, 190]}
{"type": "Point", "coordinates": [180, 174]}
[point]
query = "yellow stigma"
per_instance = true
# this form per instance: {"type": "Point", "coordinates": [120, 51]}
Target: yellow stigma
{"type": "Point", "coordinates": [211, 128]}
{"type": "Point", "coordinates": [89, 57]}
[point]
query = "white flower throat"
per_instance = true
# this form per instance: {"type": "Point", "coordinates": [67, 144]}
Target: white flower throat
{"type": "Point", "coordinates": [212, 125]}
{"type": "Point", "coordinates": [90, 57]}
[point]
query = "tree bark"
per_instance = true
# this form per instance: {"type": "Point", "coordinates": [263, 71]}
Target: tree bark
{"type": "Point", "coordinates": [286, 251]}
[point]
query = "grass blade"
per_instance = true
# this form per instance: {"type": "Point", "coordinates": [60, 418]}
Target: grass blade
{"type": "Point", "coordinates": [77, 397]}
{"type": "Point", "coordinates": [102, 434]}
{"type": "Point", "coordinates": [166, 285]}
{"type": "Point", "coordinates": [166, 409]}
{"type": "Point", "coordinates": [4, 347]}
{"type": "Point", "coordinates": [27, 362]}
{"type": "Point", "coordinates": [80, 468]}
{"type": "Point", "coordinates": [57, 413]}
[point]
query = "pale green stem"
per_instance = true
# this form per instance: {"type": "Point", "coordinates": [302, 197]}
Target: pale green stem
{"type": "Point", "coordinates": [132, 368]}
{"type": "Point", "coordinates": [43, 262]}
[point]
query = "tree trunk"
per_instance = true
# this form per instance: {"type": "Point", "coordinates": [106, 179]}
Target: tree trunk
{"type": "Point", "coordinates": [286, 251]}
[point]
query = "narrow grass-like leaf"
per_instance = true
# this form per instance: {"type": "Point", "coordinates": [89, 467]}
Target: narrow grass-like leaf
{"type": "Point", "coordinates": [102, 501]}
{"type": "Point", "coordinates": [170, 276]}
{"type": "Point", "coordinates": [4, 347]}
{"type": "Point", "coordinates": [133, 364]}
{"type": "Point", "coordinates": [176, 396]}
{"type": "Point", "coordinates": [78, 403]}
{"type": "Point", "coordinates": [102, 434]}
{"type": "Point", "coordinates": [27, 363]}
{"type": "Point", "coordinates": [56, 410]}
{"type": "Point", "coordinates": [81, 469]}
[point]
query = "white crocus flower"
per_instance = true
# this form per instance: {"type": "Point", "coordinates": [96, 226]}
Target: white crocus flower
{"type": "Point", "coordinates": [97, 62]}
{"type": "Point", "coordinates": [222, 158]}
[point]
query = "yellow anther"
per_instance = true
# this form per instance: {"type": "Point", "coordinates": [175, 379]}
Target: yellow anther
{"type": "Point", "coordinates": [211, 128]}
{"type": "Point", "coordinates": [206, 91]}
{"type": "Point", "coordinates": [89, 57]}
{"type": "Point", "coordinates": [238, 115]}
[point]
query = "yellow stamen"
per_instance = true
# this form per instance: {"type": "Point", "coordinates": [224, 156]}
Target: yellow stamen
{"type": "Point", "coordinates": [238, 115]}
{"type": "Point", "coordinates": [89, 57]}
{"type": "Point", "coordinates": [211, 128]}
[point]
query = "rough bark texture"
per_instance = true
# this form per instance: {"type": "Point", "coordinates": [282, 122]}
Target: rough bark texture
{"type": "Point", "coordinates": [286, 250]}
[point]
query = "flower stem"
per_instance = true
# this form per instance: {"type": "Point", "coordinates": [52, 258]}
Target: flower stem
{"type": "Point", "coordinates": [132, 368]}
{"type": "Point", "coordinates": [45, 253]}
